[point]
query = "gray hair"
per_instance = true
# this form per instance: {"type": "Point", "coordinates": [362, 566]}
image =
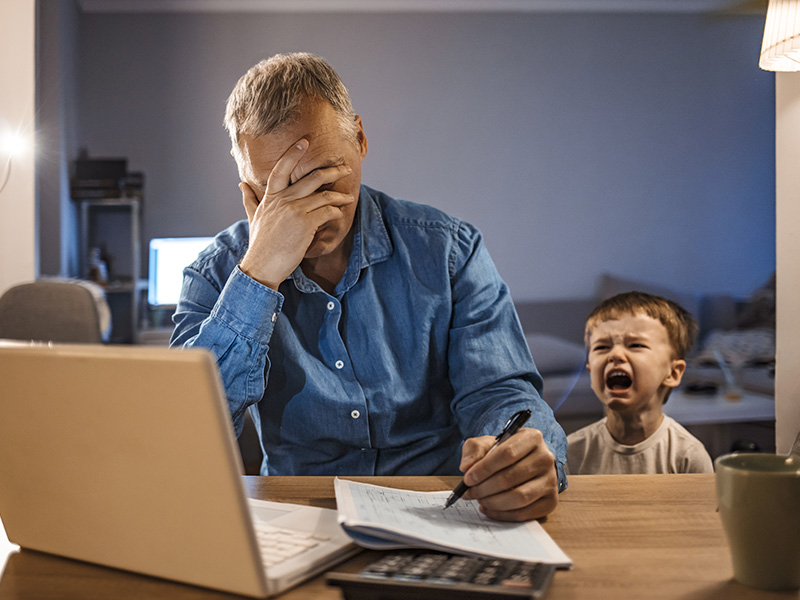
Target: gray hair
{"type": "Point", "coordinates": [270, 95]}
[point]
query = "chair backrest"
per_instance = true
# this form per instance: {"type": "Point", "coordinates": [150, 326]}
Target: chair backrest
{"type": "Point", "coordinates": [55, 311]}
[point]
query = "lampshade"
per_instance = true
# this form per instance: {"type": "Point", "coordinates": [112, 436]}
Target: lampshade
{"type": "Point", "coordinates": [780, 49]}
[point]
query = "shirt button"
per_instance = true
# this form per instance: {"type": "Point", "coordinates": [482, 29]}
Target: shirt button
{"type": "Point", "coordinates": [331, 305]}
{"type": "Point", "coordinates": [355, 414]}
{"type": "Point", "coordinates": [274, 316]}
{"type": "Point", "coordinates": [339, 364]}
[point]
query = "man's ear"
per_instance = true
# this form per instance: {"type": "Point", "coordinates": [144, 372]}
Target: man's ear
{"type": "Point", "coordinates": [236, 153]}
{"type": "Point", "coordinates": [676, 372]}
{"type": "Point", "coordinates": [361, 138]}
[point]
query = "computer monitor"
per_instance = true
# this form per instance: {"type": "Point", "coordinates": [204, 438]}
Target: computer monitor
{"type": "Point", "coordinates": [168, 257]}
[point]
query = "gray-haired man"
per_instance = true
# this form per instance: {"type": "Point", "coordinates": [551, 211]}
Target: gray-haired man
{"type": "Point", "coordinates": [366, 335]}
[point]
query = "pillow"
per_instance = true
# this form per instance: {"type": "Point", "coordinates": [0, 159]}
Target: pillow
{"type": "Point", "coordinates": [555, 355]}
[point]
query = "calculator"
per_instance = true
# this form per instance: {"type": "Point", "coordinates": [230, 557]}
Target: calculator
{"type": "Point", "coordinates": [443, 576]}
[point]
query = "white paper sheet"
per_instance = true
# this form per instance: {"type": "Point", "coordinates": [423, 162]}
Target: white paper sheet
{"type": "Point", "coordinates": [381, 517]}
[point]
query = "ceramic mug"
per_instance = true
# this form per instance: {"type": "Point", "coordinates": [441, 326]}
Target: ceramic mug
{"type": "Point", "coordinates": [759, 502]}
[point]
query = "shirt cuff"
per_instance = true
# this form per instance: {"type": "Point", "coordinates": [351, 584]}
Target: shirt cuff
{"type": "Point", "coordinates": [248, 307]}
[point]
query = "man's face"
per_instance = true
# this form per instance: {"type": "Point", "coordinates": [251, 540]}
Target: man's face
{"type": "Point", "coordinates": [328, 146]}
{"type": "Point", "coordinates": [631, 362]}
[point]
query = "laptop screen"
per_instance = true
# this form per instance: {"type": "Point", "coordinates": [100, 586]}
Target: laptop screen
{"type": "Point", "coordinates": [168, 257]}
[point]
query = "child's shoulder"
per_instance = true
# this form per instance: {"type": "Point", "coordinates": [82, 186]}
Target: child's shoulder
{"type": "Point", "coordinates": [588, 432]}
{"type": "Point", "coordinates": [677, 430]}
{"type": "Point", "coordinates": [590, 440]}
{"type": "Point", "coordinates": [688, 453]}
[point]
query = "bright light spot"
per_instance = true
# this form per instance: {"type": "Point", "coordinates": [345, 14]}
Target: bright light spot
{"type": "Point", "coordinates": [14, 144]}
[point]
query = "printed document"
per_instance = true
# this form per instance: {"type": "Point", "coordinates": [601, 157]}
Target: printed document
{"type": "Point", "coordinates": [380, 518]}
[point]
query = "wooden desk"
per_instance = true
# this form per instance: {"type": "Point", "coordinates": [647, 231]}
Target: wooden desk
{"type": "Point", "coordinates": [630, 536]}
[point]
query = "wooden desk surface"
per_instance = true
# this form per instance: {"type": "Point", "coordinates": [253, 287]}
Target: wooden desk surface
{"type": "Point", "coordinates": [629, 536]}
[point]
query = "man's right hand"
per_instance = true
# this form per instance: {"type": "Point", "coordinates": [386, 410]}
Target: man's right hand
{"type": "Point", "coordinates": [283, 223]}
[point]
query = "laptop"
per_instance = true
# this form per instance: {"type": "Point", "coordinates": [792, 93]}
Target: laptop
{"type": "Point", "coordinates": [125, 456]}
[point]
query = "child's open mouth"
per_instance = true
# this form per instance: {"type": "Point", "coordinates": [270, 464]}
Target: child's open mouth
{"type": "Point", "coordinates": [618, 380]}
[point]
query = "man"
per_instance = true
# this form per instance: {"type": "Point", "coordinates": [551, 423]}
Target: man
{"type": "Point", "coordinates": [366, 335]}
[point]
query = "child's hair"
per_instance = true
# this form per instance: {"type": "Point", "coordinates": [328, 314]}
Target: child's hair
{"type": "Point", "coordinates": [681, 327]}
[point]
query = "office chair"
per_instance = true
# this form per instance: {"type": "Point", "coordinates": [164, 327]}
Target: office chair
{"type": "Point", "coordinates": [50, 310]}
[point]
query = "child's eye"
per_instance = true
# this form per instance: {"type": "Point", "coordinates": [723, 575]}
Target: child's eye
{"type": "Point", "coordinates": [600, 347]}
{"type": "Point", "coordinates": [637, 345]}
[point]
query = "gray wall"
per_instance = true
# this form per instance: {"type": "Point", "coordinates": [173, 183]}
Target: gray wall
{"type": "Point", "coordinates": [640, 145]}
{"type": "Point", "coordinates": [57, 131]}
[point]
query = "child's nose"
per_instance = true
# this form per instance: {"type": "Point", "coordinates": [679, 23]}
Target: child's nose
{"type": "Point", "coordinates": [616, 354]}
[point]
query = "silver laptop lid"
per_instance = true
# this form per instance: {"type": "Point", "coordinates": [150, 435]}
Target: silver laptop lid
{"type": "Point", "coordinates": [125, 456]}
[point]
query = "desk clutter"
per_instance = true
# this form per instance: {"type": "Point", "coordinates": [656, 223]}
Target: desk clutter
{"type": "Point", "coordinates": [657, 537]}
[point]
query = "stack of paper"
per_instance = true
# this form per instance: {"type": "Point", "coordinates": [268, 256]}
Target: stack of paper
{"type": "Point", "coordinates": [382, 518]}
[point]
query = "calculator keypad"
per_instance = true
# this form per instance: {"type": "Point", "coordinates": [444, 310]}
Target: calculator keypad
{"type": "Point", "coordinates": [442, 575]}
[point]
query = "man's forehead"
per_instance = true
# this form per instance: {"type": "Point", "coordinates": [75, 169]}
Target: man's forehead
{"type": "Point", "coordinates": [261, 154]}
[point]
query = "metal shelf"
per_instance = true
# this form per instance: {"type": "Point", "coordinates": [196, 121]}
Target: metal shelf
{"type": "Point", "coordinates": [123, 288]}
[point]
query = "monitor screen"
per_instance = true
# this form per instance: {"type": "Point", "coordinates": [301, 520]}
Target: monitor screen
{"type": "Point", "coordinates": [168, 257]}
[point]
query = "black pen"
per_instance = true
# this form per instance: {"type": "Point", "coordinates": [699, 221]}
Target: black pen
{"type": "Point", "coordinates": [513, 425]}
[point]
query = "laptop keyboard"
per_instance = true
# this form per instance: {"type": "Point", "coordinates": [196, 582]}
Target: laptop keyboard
{"type": "Point", "coordinates": [278, 545]}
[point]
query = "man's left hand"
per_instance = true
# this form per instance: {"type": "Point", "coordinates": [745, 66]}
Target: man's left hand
{"type": "Point", "coordinates": [517, 481]}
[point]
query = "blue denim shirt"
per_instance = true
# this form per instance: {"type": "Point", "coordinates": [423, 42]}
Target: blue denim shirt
{"type": "Point", "coordinates": [418, 348]}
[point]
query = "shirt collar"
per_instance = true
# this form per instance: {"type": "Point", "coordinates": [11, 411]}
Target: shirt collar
{"type": "Point", "coordinates": [371, 245]}
{"type": "Point", "coordinates": [376, 245]}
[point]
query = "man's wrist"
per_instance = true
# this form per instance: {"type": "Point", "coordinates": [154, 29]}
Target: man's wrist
{"type": "Point", "coordinates": [256, 275]}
